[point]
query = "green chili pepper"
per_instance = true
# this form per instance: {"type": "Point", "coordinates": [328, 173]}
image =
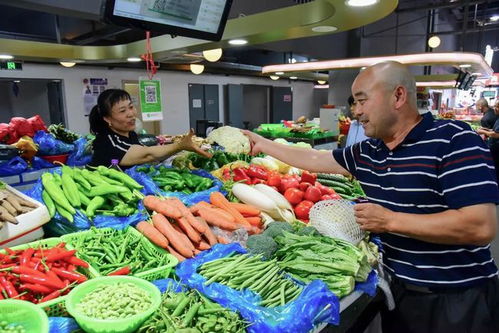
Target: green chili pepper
{"type": "Point", "coordinates": [83, 198]}
{"type": "Point", "coordinates": [56, 193]}
{"type": "Point", "coordinates": [64, 213]}
{"type": "Point", "coordinates": [69, 187]}
{"type": "Point", "coordinates": [49, 203]}
{"type": "Point", "coordinates": [93, 205]}
{"type": "Point", "coordinates": [78, 178]}
{"type": "Point", "coordinates": [106, 189]}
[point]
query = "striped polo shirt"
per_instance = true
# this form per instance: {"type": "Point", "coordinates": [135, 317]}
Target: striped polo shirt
{"type": "Point", "coordinates": [440, 165]}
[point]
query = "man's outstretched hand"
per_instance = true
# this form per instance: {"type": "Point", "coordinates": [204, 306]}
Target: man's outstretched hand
{"type": "Point", "coordinates": [256, 142]}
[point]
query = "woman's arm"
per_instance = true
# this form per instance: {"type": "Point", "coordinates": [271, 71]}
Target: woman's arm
{"type": "Point", "coordinates": [141, 154]}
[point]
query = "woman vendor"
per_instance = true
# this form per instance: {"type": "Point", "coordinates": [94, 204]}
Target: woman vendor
{"type": "Point", "coordinates": [112, 121]}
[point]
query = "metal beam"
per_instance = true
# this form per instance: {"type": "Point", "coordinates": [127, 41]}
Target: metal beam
{"type": "Point", "coordinates": [439, 6]}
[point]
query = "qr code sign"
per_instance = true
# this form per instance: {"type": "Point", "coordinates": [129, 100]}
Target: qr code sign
{"type": "Point", "coordinates": [151, 94]}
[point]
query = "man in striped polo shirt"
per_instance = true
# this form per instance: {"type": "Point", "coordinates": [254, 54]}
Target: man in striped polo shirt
{"type": "Point", "coordinates": [432, 198]}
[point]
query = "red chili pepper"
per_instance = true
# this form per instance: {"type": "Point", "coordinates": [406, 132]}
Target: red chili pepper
{"type": "Point", "coordinates": [122, 271]}
{"type": "Point", "coordinates": [51, 296]}
{"type": "Point", "coordinates": [9, 251]}
{"type": "Point", "coordinates": [7, 266]}
{"type": "Point", "coordinates": [256, 171]}
{"type": "Point", "coordinates": [27, 270]}
{"type": "Point", "coordinates": [54, 277]}
{"type": "Point", "coordinates": [46, 281]}
{"type": "Point", "coordinates": [37, 288]}
{"type": "Point", "coordinates": [71, 276]}
{"type": "Point", "coordinates": [226, 174]}
{"type": "Point", "coordinates": [9, 287]}
{"type": "Point", "coordinates": [240, 175]}
{"type": "Point", "coordinates": [77, 262]}
{"type": "Point", "coordinates": [60, 255]}
{"type": "Point", "coordinates": [26, 256]}
{"type": "Point", "coordinates": [61, 245]}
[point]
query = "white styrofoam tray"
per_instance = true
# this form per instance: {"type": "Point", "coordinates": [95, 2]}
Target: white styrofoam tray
{"type": "Point", "coordinates": [27, 222]}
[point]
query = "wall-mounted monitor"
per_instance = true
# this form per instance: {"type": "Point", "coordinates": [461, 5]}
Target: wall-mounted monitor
{"type": "Point", "coordinates": [202, 19]}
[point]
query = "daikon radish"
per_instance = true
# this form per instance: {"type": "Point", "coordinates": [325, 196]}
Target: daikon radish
{"type": "Point", "coordinates": [251, 196]}
{"type": "Point", "coordinates": [277, 197]}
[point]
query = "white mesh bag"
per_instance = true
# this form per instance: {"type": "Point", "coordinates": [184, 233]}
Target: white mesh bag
{"type": "Point", "coordinates": [335, 218]}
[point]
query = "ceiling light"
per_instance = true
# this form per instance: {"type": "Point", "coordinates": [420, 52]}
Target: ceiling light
{"type": "Point", "coordinates": [213, 55]}
{"type": "Point", "coordinates": [321, 81]}
{"type": "Point", "coordinates": [324, 28]}
{"type": "Point", "coordinates": [322, 86]}
{"type": "Point", "coordinates": [6, 56]}
{"type": "Point", "coordinates": [362, 68]}
{"type": "Point", "coordinates": [133, 59]}
{"type": "Point", "coordinates": [17, 81]}
{"type": "Point", "coordinates": [238, 42]}
{"type": "Point", "coordinates": [197, 69]}
{"type": "Point", "coordinates": [465, 66]}
{"type": "Point", "coordinates": [279, 73]}
{"type": "Point", "coordinates": [494, 18]}
{"type": "Point", "coordinates": [293, 77]}
{"type": "Point", "coordinates": [434, 42]}
{"type": "Point", "coordinates": [67, 63]}
{"type": "Point", "coordinates": [274, 77]}
{"type": "Point", "coordinates": [360, 3]}
{"type": "Point", "coordinates": [436, 83]}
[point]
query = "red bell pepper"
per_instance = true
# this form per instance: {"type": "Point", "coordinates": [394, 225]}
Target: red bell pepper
{"type": "Point", "coordinates": [226, 174]}
{"type": "Point", "coordinates": [256, 171]}
{"type": "Point", "coordinates": [308, 177]}
{"type": "Point", "coordinates": [241, 175]}
{"type": "Point", "coordinates": [274, 179]}
{"type": "Point", "coordinates": [313, 194]}
{"type": "Point", "coordinates": [293, 195]}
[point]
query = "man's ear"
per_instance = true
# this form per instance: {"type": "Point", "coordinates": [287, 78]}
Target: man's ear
{"type": "Point", "coordinates": [400, 96]}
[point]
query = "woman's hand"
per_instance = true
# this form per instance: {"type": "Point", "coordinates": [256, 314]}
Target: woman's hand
{"type": "Point", "coordinates": [187, 144]}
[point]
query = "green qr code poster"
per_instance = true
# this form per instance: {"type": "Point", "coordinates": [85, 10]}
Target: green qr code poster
{"type": "Point", "coordinates": [150, 100]}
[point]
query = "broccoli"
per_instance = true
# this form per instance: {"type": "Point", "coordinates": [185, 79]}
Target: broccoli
{"type": "Point", "coordinates": [308, 231]}
{"type": "Point", "coordinates": [261, 244]}
{"type": "Point", "coordinates": [275, 229]}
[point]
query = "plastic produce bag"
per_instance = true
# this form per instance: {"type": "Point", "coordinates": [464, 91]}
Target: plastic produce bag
{"type": "Point", "coordinates": [13, 167]}
{"type": "Point", "coordinates": [79, 156]}
{"type": "Point", "coordinates": [164, 284]}
{"type": "Point", "coordinates": [37, 123]}
{"type": "Point", "coordinates": [48, 145]}
{"type": "Point", "coordinates": [62, 325]}
{"type": "Point", "coordinates": [38, 163]}
{"type": "Point", "coordinates": [59, 225]}
{"type": "Point", "coordinates": [22, 126]}
{"type": "Point", "coordinates": [4, 132]}
{"type": "Point", "coordinates": [316, 304]}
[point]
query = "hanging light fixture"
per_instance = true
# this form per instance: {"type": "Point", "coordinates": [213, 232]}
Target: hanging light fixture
{"type": "Point", "coordinates": [67, 63]}
{"type": "Point", "coordinates": [434, 41]}
{"type": "Point", "coordinates": [274, 77]}
{"type": "Point", "coordinates": [321, 81]}
{"type": "Point", "coordinates": [212, 55]}
{"type": "Point", "coordinates": [197, 68]}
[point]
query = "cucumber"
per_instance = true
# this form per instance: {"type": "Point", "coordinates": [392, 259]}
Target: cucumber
{"type": "Point", "coordinates": [331, 176]}
{"type": "Point", "coordinates": [335, 184]}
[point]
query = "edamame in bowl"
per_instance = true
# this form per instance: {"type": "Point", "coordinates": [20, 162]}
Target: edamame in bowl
{"type": "Point", "coordinates": [113, 304]}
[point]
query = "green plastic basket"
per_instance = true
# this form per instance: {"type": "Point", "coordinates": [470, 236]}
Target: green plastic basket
{"type": "Point", "coordinates": [160, 272]}
{"type": "Point", "coordinates": [125, 325]}
{"type": "Point", "coordinates": [24, 313]}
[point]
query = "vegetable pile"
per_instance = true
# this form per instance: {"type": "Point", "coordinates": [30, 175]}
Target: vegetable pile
{"type": "Point", "coordinates": [181, 311]}
{"type": "Point", "coordinates": [62, 133]}
{"type": "Point", "coordinates": [176, 180]}
{"type": "Point", "coordinates": [116, 252]}
{"type": "Point", "coordinates": [39, 274]}
{"type": "Point", "coordinates": [12, 206]}
{"type": "Point", "coordinates": [6, 327]}
{"type": "Point", "coordinates": [264, 278]}
{"type": "Point", "coordinates": [101, 192]}
{"type": "Point", "coordinates": [115, 301]}
{"type": "Point", "coordinates": [348, 189]}
{"type": "Point", "coordinates": [219, 159]}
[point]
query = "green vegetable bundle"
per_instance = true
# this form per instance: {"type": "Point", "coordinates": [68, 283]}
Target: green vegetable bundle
{"type": "Point", "coordinates": [265, 278]}
{"type": "Point", "coordinates": [219, 159]}
{"type": "Point", "coordinates": [346, 188]}
{"type": "Point", "coordinates": [62, 133]}
{"type": "Point", "coordinates": [191, 312]}
{"type": "Point", "coordinates": [177, 180]}
{"type": "Point", "coordinates": [101, 192]}
{"type": "Point", "coordinates": [310, 257]}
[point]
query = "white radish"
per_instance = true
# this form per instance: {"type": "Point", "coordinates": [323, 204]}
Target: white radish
{"type": "Point", "coordinates": [277, 197]}
{"type": "Point", "coordinates": [251, 196]}
{"type": "Point", "coordinates": [266, 219]}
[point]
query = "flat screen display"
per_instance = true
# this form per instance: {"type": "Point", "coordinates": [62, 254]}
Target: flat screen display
{"type": "Point", "coordinates": [203, 19]}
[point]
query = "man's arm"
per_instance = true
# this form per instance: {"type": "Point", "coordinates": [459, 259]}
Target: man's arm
{"type": "Point", "coordinates": [303, 158]}
{"type": "Point", "coordinates": [471, 225]}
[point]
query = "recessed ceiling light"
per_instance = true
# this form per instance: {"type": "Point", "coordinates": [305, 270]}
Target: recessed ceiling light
{"type": "Point", "coordinates": [197, 69]}
{"type": "Point", "coordinates": [465, 66]}
{"type": "Point", "coordinates": [67, 63]}
{"type": "Point", "coordinates": [6, 56]}
{"type": "Point", "coordinates": [212, 55]}
{"type": "Point", "coordinates": [494, 18]}
{"type": "Point", "coordinates": [321, 81]}
{"type": "Point", "coordinates": [434, 41]}
{"type": "Point", "coordinates": [293, 77]}
{"type": "Point", "coordinates": [324, 28]}
{"type": "Point", "coordinates": [279, 73]}
{"type": "Point", "coordinates": [274, 77]}
{"type": "Point", "coordinates": [238, 42]}
{"type": "Point", "coordinates": [133, 59]}
{"type": "Point", "coordinates": [360, 3]}
{"type": "Point", "coordinates": [17, 81]}
{"type": "Point", "coordinates": [476, 74]}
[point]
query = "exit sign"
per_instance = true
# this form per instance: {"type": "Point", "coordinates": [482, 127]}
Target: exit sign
{"type": "Point", "coordinates": [11, 65]}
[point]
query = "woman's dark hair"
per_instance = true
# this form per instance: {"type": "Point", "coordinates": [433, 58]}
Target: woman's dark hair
{"type": "Point", "coordinates": [105, 102]}
{"type": "Point", "coordinates": [351, 100]}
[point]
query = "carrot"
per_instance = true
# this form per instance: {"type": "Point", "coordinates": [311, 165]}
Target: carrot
{"type": "Point", "coordinates": [223, 240]}
{"type": "Point", "coordinates": [181, 234]}
{"type": "Point", "coordinates": [188, 230]}
{"type": "Point", "coordinates": [255, 221]}
{"type": "Point", "coordinates": [161, 206]}
{"type": "Point", "coordinates": [245, 209]}
{"type": "Point", "coordinates": [202, 245]}
{"type": "Point", "coordinates": [188, 215]}
{"type": "Point", "coordinates": [209, 235]}
{"type": "Point", "coordinates": [224, 214]}
{"type": "Point", "coordinates": [196, 252]}
{"type": "Point", "coordinates": [195, 208]}
{"type": "Point", "coordinates": [162, 224]}
{"type": "Point", "coordinates": [174, 253]}
{"type": "Point", "coordinates": [220, 201]}
{"type": "Point", "coordinates": [153, 234]}
{"type": "Point", "coordinates": [211, 217]}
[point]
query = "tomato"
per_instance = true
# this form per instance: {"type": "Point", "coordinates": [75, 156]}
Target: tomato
{"type": "Point", "coordinates": [334, 196]}
{"type": "Point", "coordinates": [294, 195]}
{"type": "Point", "coordinates": [324, 189]}
{"type": "Point", "coordinates": [313, 194]}
{"type": "Point", "coordinates": [302, 210]}
{"type": "Point", "coordinates": [303, 186]}
{"type": "Point", "coordinates": [288, 182]}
